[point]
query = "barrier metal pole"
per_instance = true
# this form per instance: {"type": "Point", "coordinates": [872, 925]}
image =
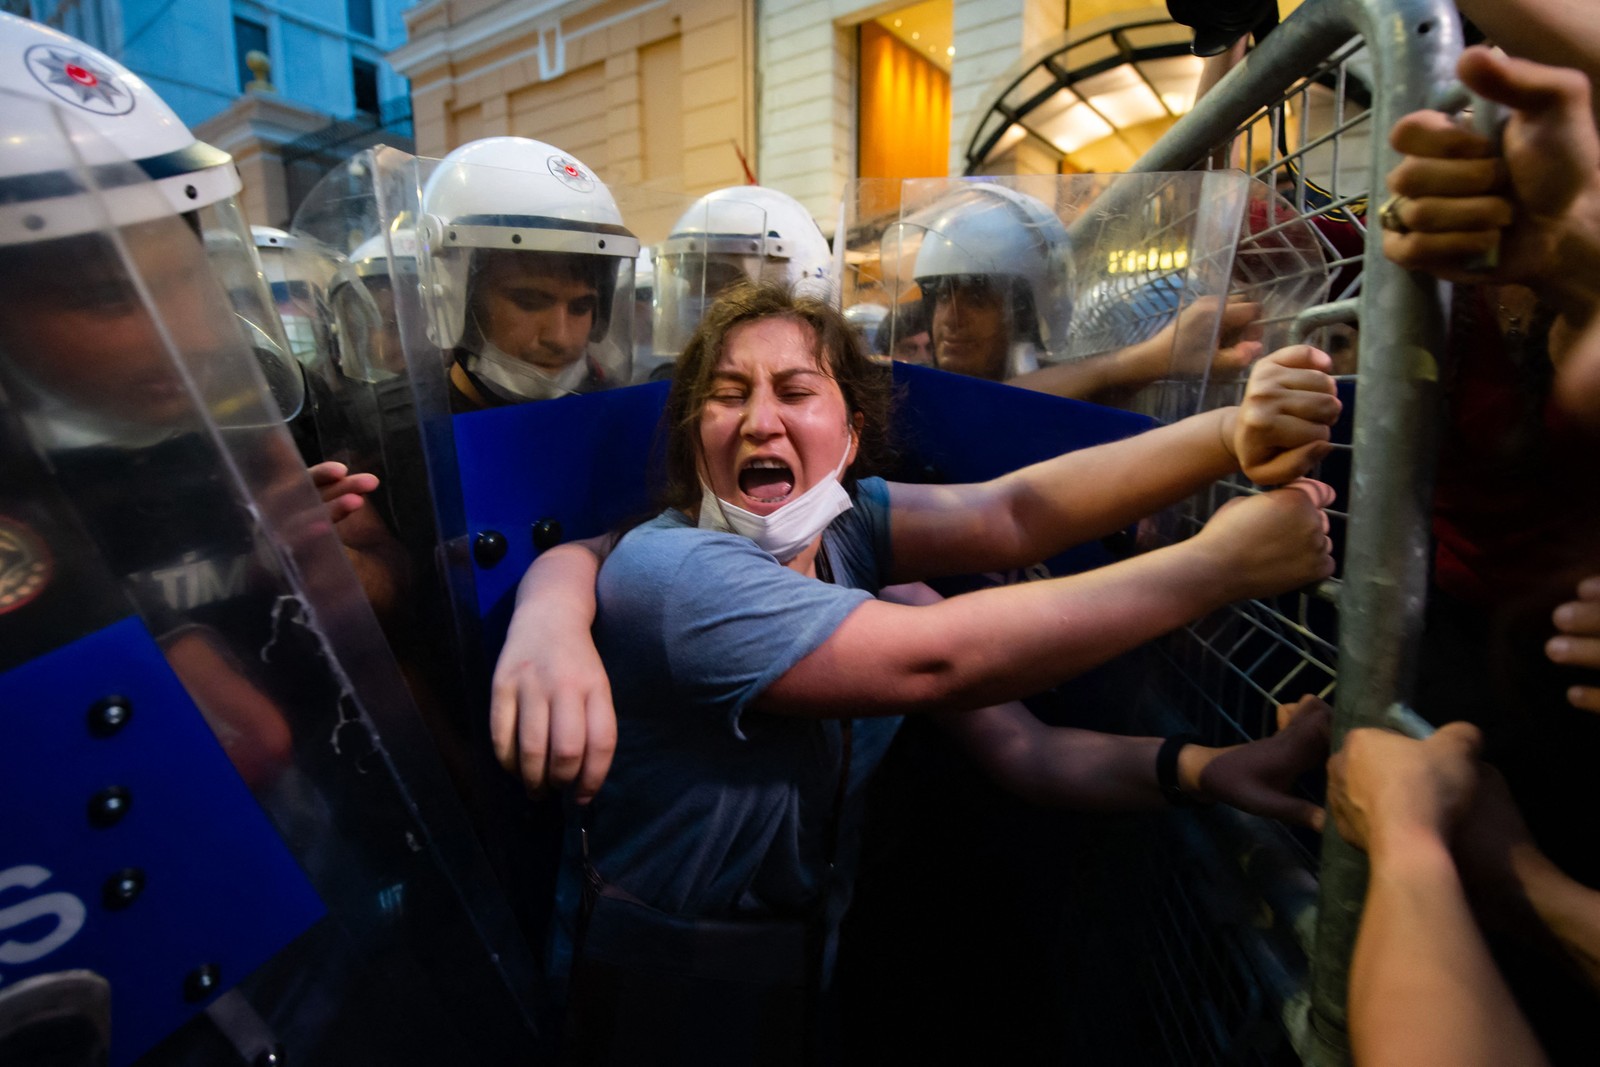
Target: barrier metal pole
{"type": "Point", "coordinates": [1413, 45]}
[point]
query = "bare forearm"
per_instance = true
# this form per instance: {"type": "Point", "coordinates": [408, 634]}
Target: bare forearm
{"type": "Point", "coordinates": [1089, 494]}
{"type": "Point", "coordinates": [1001, 644]}
{"type": "Point", "coordinates": [566, 572]}
{"type": "Point", "coordinates": [561, 583]}
{"type": "Point", "coordinates": [1045, 508]}
{"type": "Point", "coordinates": [1062, 766]}
{"type": "Point", "coordinates": [1569, 910]}
{"type": "Point", "coordinates": [1423, 988]}
{"type": "Point", "coordinates": [1103, 378]}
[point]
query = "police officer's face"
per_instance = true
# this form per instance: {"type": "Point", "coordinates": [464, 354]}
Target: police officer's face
{"type": "Point", "coordinates": [77, 326]}
{"type": "Point", "coordinates": [535, 311]}
{"type": "Point", "coordinates": [970, 332]}
{"type": "Point", "coordinates": [918, 349]}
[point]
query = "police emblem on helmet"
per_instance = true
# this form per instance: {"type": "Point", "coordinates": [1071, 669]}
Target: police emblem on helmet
{"type": "Point", "coordinates": [78, 79]}
{"type": "Point", "coordinates": [571, 173]}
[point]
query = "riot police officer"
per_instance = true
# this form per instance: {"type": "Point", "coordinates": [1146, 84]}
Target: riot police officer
{"type": "Point", "coordinates": [740, 233]}
{"type": "Point", "coordinates": [162, 550]}
{"type": "Point", "coordinates": [525, 259]}
{"type": "Point", "coordinates": [995, 269]}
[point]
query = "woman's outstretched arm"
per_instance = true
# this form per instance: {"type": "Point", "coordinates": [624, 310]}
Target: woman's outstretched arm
{"type": "Point", "coordinates": [1001, 644]}
{"type": "Point", "coordinates": [1280, 430]}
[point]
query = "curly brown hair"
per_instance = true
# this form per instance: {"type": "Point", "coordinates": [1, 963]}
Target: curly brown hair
{"type": "Point", "coordinates": [840, 355]}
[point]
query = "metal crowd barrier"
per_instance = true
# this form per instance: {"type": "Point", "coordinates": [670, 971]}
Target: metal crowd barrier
{"type": "Point", "coordinates": [1308, 113]}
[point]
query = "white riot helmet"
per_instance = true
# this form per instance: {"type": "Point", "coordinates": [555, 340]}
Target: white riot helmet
{"type": "Point", "coordinates": [741, 232]}
{"type": "Point", "coordinates": [987, 234]}
{"type": "Point", "coordinates": [126, 115]}
{"type": "Point", "coordinates": [866, 318]}
{"type": "Point", "coordinates": [298, 274]}
{"type": "Point", "coordinates": [513, 195]}
{"type": "Point", "coordinates": [116, 118]}
{"type": "Point", "coordinates": [362, 298]}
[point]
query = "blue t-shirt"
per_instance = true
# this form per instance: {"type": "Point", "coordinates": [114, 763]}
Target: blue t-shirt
{"type": "Point", "coordinates": [711, 808]}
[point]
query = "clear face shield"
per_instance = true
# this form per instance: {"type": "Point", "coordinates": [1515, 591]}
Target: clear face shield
{"type": "Point", "coordinates": [363, 309]}
{"type": "Point", "coordinates": [524, 306]}
{"type": "Point", "coordinates": [118, 325]}
{"type": "Point", "coordinates": [975, 313]}
{"type": "Point", "coordinates": [298, 274]}
{"type": "Point", "coordinates": [230, 249]}
{"type": "Point", "coordinates": [541, 325]}
{"type": "Point", "coordinates": [720, 246]}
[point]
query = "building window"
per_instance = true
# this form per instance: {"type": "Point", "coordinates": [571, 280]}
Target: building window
{"type": "Point", "coordinates": [359, 14]}
{"type": "Point", "coordinates": [903, 116]}
{"type": "Point", "coordinates": [364, 76]}
{"type": "Point", "coordinates": [248, 37]}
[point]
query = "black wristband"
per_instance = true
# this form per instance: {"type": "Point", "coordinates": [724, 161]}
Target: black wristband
{"type": "Point", "coordinates": [1167, 768]}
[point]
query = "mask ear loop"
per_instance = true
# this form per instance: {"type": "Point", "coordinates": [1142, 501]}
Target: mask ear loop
{"type": "Point", "coordinates": [702, 471]}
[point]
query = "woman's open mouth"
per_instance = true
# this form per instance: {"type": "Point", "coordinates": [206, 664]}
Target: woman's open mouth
{"type": "Point", "coordinates": [766, 481]}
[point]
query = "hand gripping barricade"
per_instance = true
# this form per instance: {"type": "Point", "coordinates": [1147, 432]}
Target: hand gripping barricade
{"type": "Point", "coordinates": [1310, 114]}
{"type": "Point", "coordinates": [1170, 244]}
{"type": "Point", "coordinates": [235, 834]}
{"type": "Point", "coordinates": [744, 232]}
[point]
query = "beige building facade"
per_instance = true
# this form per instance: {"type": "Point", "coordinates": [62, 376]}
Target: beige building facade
{"type": "Point", "coordinates": [680, 96]}
{"type": "Point", "coordinates": [658, 95]}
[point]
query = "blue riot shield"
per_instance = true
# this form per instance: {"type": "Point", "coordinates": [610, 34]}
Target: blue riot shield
{"type": "Point", "coordinates": [949, 428]}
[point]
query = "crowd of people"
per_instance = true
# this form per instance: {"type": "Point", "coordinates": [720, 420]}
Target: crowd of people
{"type": "Point", "coordinates": [712, 686]}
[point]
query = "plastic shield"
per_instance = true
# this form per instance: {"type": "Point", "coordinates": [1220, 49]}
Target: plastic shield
{"type": "Point", "coordinates": [723, 247]}
{"type": "Point", "coordinates": [370, 424]}
{"type": "Point", "coordinates": [404, 431]}
{"type": "Point", "coordinates": [230, 251]}
{"type": "Point", "coordinates": [1107, 284]}
{"type": "Point", "coordinates": [273, 861]}
{"type": "Point", "coordinates": [460, 337]}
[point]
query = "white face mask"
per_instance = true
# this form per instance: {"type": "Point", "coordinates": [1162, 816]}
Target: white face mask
{"type": "Point", "coordinates": [786, 532]}
{"type": "Point", "coordinates": [514, 381]}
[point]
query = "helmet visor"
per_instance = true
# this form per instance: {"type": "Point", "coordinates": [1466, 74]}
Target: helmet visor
{"type": "Point", "coordinates": [123, 332]}
{"type": "Point", "coordinates": [231, 254]}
